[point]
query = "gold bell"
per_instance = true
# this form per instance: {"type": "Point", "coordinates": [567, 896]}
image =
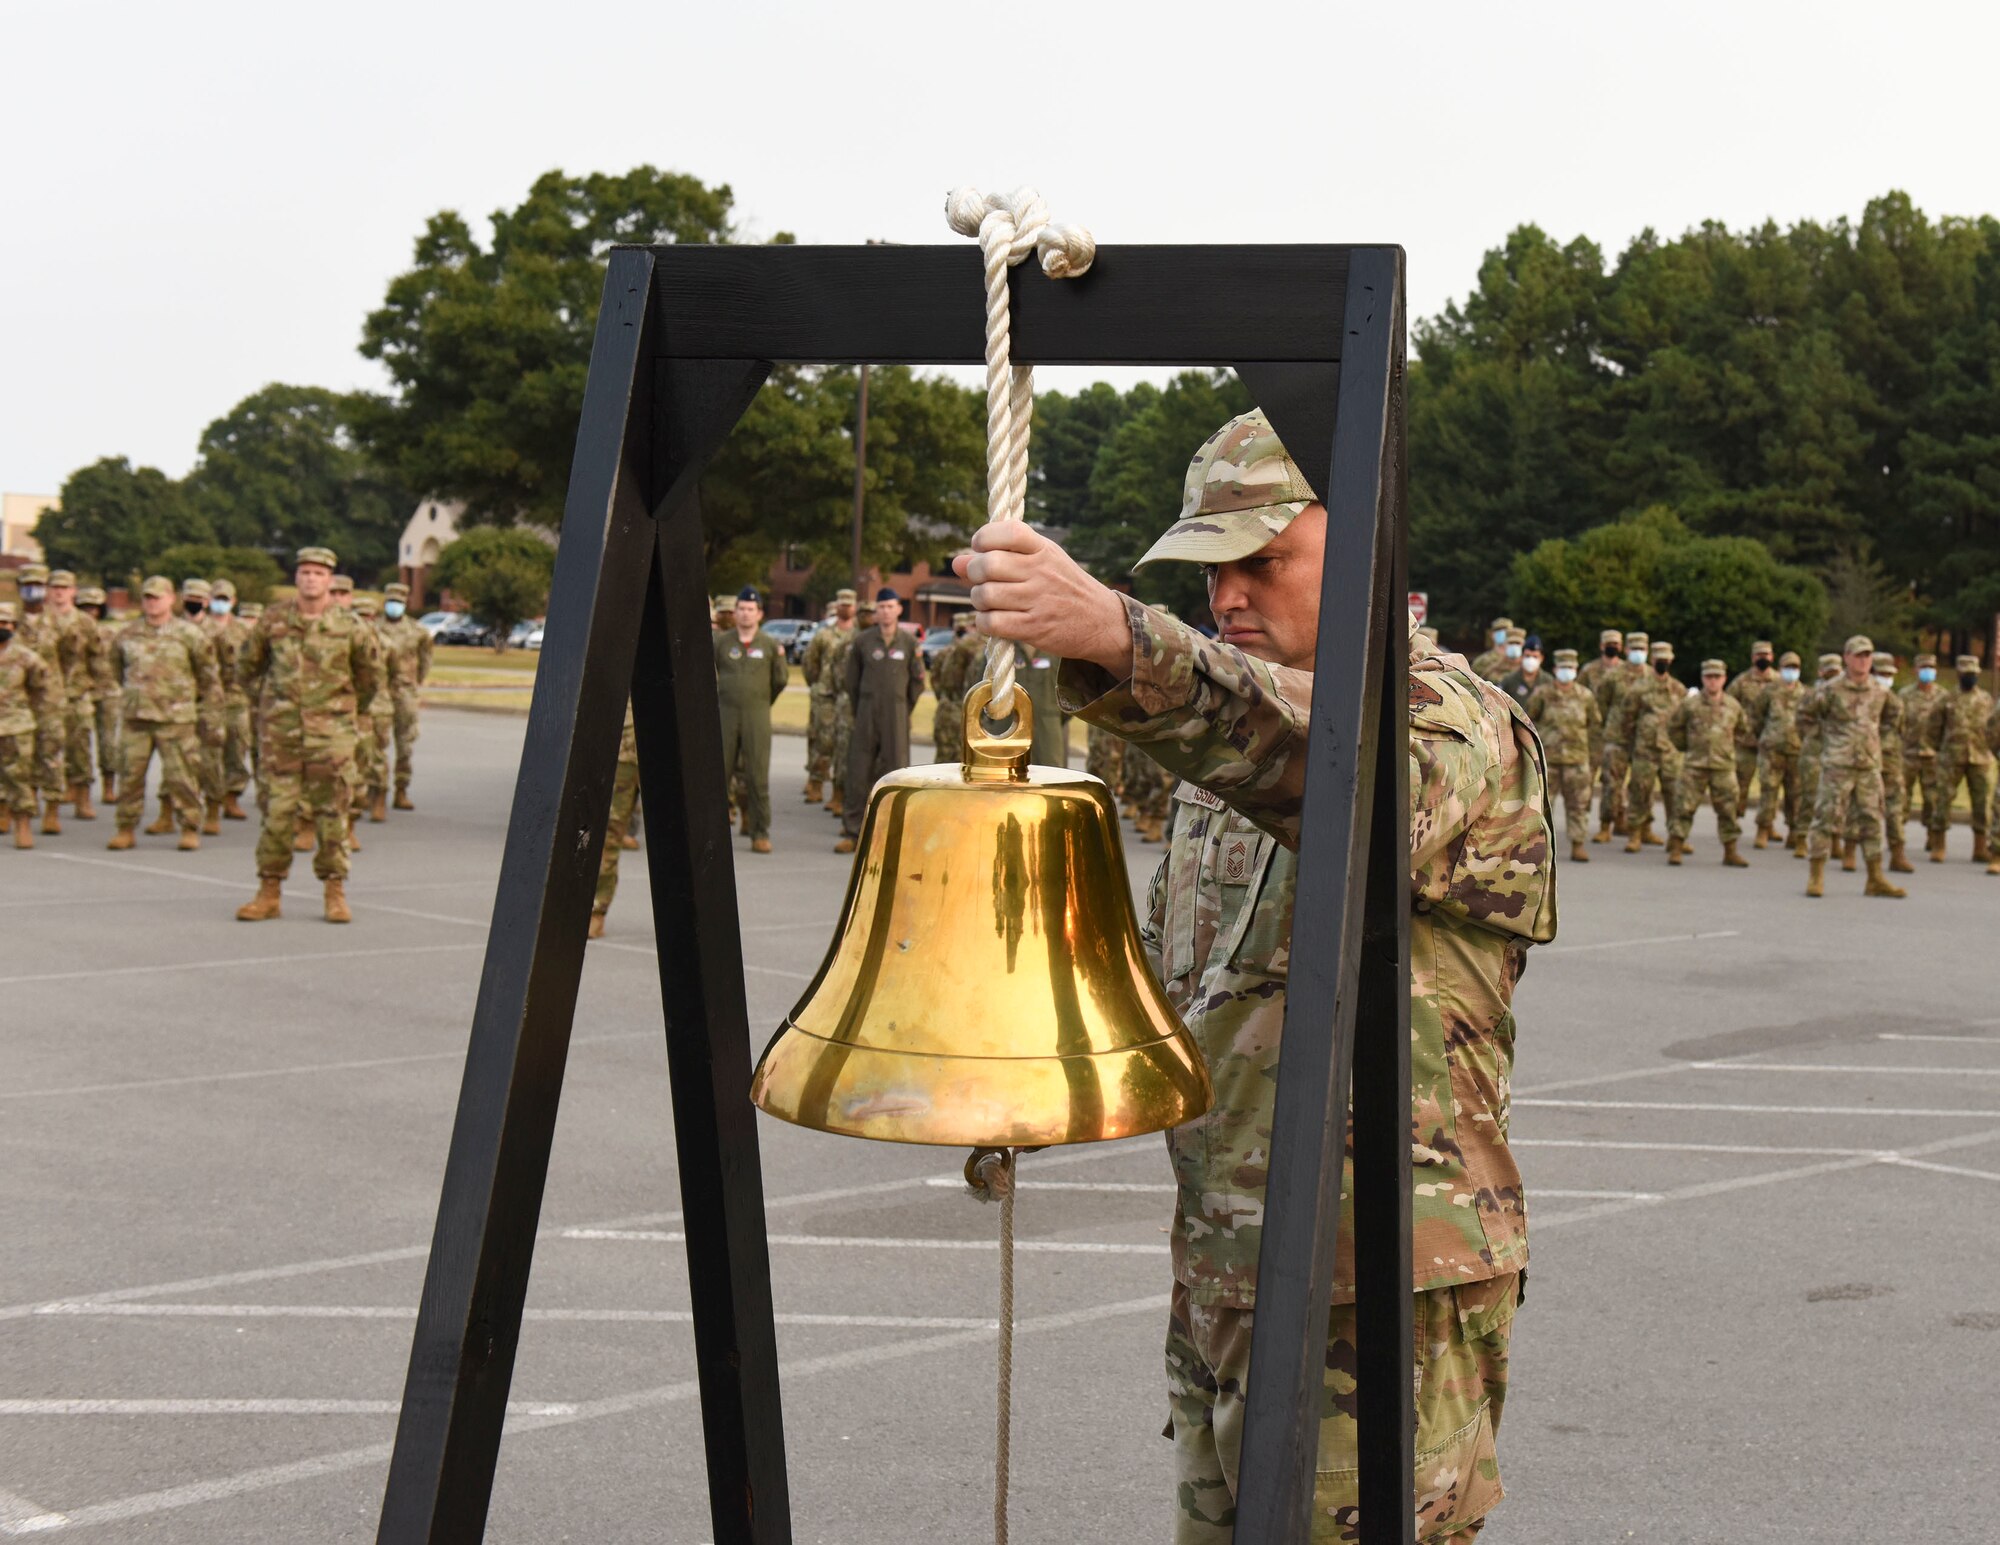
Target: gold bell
{"type": "Point", "coordinates": [987, 985]}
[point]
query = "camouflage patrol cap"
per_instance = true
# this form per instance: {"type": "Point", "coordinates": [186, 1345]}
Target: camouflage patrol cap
{"type": "Point", "coordinates": [365, 605]}
{"type": "Point", "coordinates": [1636, 640]}
{"type": "Point", "coordinates": [1762, 646]}
{"type": "Point", "coordinates": [221, 587]}
{"type": "Point", "coordinates": [1926, 659]}
{"type": "Point", "coordinates": [1714, 668]}
{"type": "Point", "coordinates": [1242, 488]}
{"type": "Point", "coordinates": [844, 595]}
{"type": "Point", "coordinates": [1968, 662]}
{"type": "Point", "coordinates": [1885, 665]}
{"type": "Point", "coordinates": [90, 595]}
{"type": "Point", "coordinates": [1858, 643]}
{"type": "Point", "coordinates": [1829, 662]}
{"type": "Point", "coordinates": [1516, 635]}
{"type": "Point", "coordinates": [864, 609]}
{"type": "Point", "coordinates": [398, 591]}
{"type": "Point", "coordinates": [62, 577]}
{"type": "Point", "coordinates": [1610, 636]}
{"type": "Point", "coordinates": [6, 611]}
{"type": "Point", "coordinates": [1499, 623]}
{"type": "Point", "coordinates": [1565, 657]}
{"type": "Point", "coordinates": [1789, 657]}
{"type": "Point", "coordinates": [194, 590]}
{"type": "Point", "coordinates": [250, 611]}
{"type": "Point", "coordinates": [1663, 650]}
{"type": "Point", "coordinates": [342, 584]}
{"type": "Point", "coordinates": [157, 584]}
{"type": "Point", "coordinates": [323, 556]}
{"type": "Point", "coordinates": [34, 574]}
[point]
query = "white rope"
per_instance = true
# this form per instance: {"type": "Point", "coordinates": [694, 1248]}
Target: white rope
{"type": "Point", "coordinates": [1009, 226]}
{"type": "Point", "coordinates": [993, 1177]}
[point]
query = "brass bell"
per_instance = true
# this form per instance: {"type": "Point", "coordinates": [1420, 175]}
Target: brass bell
{"type": "Point", "coordinates": [987, 985]}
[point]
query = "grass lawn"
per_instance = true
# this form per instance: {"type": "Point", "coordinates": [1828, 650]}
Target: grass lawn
{"type": "Point", "coordinates": [457, 682]}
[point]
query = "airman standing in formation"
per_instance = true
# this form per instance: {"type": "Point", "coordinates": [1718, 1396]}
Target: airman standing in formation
{"type": "Point", "coordinates": [823, 682]}
{"type": "Point", "coordinates": [172, 698]}
{"type": "Point", "coordinates": [1035, 672]}
{"type": "Point", "coordinates": [83, 657]}
{"type": "Point", "coordinates": [406, 660]}
{"type": "Point", "coordinates": [1774, 718]}
{"type": "Point", "coordinates": [1492, 662]}
{"type": "Point", "coordinates": [376, 732]}
{"type": "Point", "coordinates": [1958, 733]}
{"type": "Point", "coordinates": [884, 675]}
{"type": "Point", "coordinates": [31, 710]}
{"type": "Point", "coordinates": [1705, 729]}
{"type": "Point", "coordinates": [1521, 681]}
{"type": "Point", "coordinates": [750, 674]}
{"type": "Point", "coordinates": [1847, 712]}
{"type": "Point", "coordinates": [954, 671]}
{"type": "Point", "coordinates": [1921, 699]}
{"type": "Point", "coordinates": [1616, 682]}
{"type": "Point", "coordinates": [1895, 790]}
{"type": "Point", "coordinates": [230, 630]}
{"type": "Point", "coordinates": [92, 601]}
{"type": "Point", "coordinates": [1566, 715]}
{"type": "Point", "coordinates": [1641, 730]}
{"type": "Point", "coordinates": [35, 629]}
{"type": "Point", "coordinates": [1747, 688]}
{"type": "Point", "coordinates": [311, 663]}
{"type": "Point", "coordinates": [1810, 745]}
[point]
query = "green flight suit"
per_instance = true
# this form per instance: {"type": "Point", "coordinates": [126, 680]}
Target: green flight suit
{"type": "Point", "coordinates": [883, 679]}
{"type": "Point", "coordinates": [1036, 673]}
{"type": "Point", "coordinates": [748, 678]}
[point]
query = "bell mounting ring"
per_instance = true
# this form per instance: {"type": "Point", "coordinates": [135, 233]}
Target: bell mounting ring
{"type": "Point", "coordinates": [995, 755]}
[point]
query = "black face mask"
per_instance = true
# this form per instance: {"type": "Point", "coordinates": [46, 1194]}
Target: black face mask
{"type": "Point", "coordinates": [6, 637]}
{"type": "Point", "coordinates": [1762, 663]}
{"type": "Point", "coordinates": [1967, 680]}
{"type": "Point", "coordinates": [1660, 667]}
{"type": "Point", "coordinates": [195, 608]}
{"type": "Point", "coordinates": [1613, 651]}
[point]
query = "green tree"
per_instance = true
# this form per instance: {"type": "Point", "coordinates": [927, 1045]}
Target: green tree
{"type": "Point", "coordinates": [1863, 597]}
{"type": "Point", "coordinates": [281, 470]}
{"type": "Point", "coordinates": [488, 344]}
{"type": "Point", "coordinates": [254, 572]}
{"type": "Point", "coordinates": [114, 517]}
{"type": "Point", "coordinates": [502, 574]}
{"type": "Point", "coordinates": [1068, 433]}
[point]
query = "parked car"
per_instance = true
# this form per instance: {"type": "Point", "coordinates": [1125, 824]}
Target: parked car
{"type": "Point", "coordinates": [791, 634]}
{"type": "Point", "coordinates": [434, 622]}
{"type": "Point", "coordinates": [534, 640]}
{"type": "Point", "coordinates": [935, 643]}
{"type": "Point", "coordinates": [466, 629]}
{"type": "Point", "coordinates": [523, 630]}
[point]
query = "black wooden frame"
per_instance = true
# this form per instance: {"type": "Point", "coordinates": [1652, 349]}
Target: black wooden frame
{"type": "Point", "coordinates": [685, 338]}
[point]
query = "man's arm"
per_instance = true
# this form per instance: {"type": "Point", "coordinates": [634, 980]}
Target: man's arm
{"type": "Point", "coordinates": [781, 672]}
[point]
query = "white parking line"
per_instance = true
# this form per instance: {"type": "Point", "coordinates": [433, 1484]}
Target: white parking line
{"type": "Point", "coordinates": [1619, 944]}
{"type": "Point", "coordinates": [1757, 1110]}
{"type": "Point", "coordinates": [1941, 1169]}
{"type": "Point", "coordinates": [1840, 1067]}
{"type": "Point", "coordinates": [246, 1407]}
{"type": "Point", "coordinates": [1953, 1040]}
{"type": "Point", "coordinates": [948, 1182]}
{"type": "Point", "coordinates": [1542, 1192]}
{"type": "Point", "coordinates": [878, 1242]}
{"type": "Point", "coordinates": [20, 1516]}
{"type": "Point", "coordinates": [1758, 1148]}
{"type": "Point", "coordinates": [78, 1309]}
{"type": "Point", "coordinates": [240, 961]}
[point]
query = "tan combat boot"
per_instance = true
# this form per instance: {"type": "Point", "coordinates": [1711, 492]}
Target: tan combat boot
{"type": "Point", "coordinates": [1798, 843]}
{"type": "Point", "coordinates": [1898, 858]}
{"type": "Point", "coordinates": [1981, 854]}
{"type": "Point", "coordinates": [232, 810]}
{"type": "Point", "coordinates": [111, 788]}
{"type": "Point", "coordinates": [760, 844]}
{"type": "Point", "coordinates": [1603, 832]}
{"type": "Point", "coordinates": [596, 925]}
{"type": "Point", "coordinates": [1634, 842]}
{"type": "Point", "coordinates": [190, 840]}
{"type": "Point", "coordinates": [24, 832]}
{"type": "Point", "coordinates": [834, 806]}
{"type": "Point", "coordinates": [353, 836]}
{"type": "Point", "coordinates": [336, 902]}
{"type": "Point", "coordinates": [164, 821]}
{"type": "Point", "coordinates": [1577, 855]}
{"type": "Point", "coordinates": [51, 818]}
{"type": "Point", "coordinates": [812, 791]}
{"type": "Point", "coordinates": [1646, 835]}
{"type": "Point", "coordinates": [265, 903]}
{"type": "Point", "coordinates": [845, 845]}
{"type": "Point", "coordinates": [1816, 879]}
{"type": "Point", "coordinates": [79, 795]}
{"type": "Point", "coordinates": [1763, 839]}
{"type": "Point", "coordinates": [403, 799]}
{"type": "Point", "coordinates": [1674, 850]}
{"type": "Point", "coordinates": [304, 839]}
{"type": "Point", "coordinates": [1878, 883]}
{"type": "Point", "coordinates": [1731, 859]}
{"type": "Point", "coordinates": [120, 840]}
{"type": "Point", "coordinates": [1994, 867]}
{"type": "Point", "coordinates": [1935, 847]}
{"type": "Point", "coordinates": [628, 842]}
{"type": "Point", "coordinates": [1847, 855]}
{"type": "Point", "coordinates": [378, 811]}
{"type": "Point", "coordinates": [211, 823]}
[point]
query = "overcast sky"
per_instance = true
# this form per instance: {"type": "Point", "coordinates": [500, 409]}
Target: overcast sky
{"type": "Point", "coordinates": [199, 198]}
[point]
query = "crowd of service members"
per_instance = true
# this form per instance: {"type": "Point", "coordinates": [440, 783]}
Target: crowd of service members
{"type": "Point", "coordinates": [1845, 760]}
{"type": "Point", "coordinates": [312, 700]}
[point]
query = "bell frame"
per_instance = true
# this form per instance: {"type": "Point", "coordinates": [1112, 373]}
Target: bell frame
{"type": "Point", "coordinates": [685, 337]}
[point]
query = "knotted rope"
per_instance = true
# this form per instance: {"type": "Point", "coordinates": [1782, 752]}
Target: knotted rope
{"type": "Point", "coordinates": [1009, 226]}
{"type": "Point", "coordinates": [990, 1174]}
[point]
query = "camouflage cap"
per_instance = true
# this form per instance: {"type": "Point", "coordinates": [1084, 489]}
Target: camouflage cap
{"type": "Point", "coordinates": [1858, 643]}
{"type": "Point", "coordinates": [6, 611]}
{"type": "Point", "coordinates": [91, 595]}
{"type": "Point", "coordinates": [1926, 659]}
{"type": "Point", "coordinates": [1714, 668]}
{"type": "Point", "coordinates": [844, 595]}
{"type": "Point", "coordinates": [250, 611]}
{"type": "Point", "coordinates": [1829, 662]}
{"type": "Point", "coordinates": [1636, 640]}
{"type": "Point", "coordinates": [1516, 635]}
{"type": "Point", "coordinates": [398, 591]}
{"type": "Point", "coordinates": [1663, 650]}
{"type": "Point", "coordinates": [1885, 665]}
{"type": "Point", "coordinates": [1242, 488]}
{"type": "Point", "coordinates": [1968, 662]}
{"type": "Point", "coordinates": [1762, 646]}
{"type": "Point", "coordinates": [62, 577]}
{"type": "Point", "coordinates": [34, 574]}
{"type": "Point", "coordinates": [1789, 657]}
{"type": "Point", "coordinates": [323, 556]}
{"type": "Point", "coordinates": [864, 609]}
{"type": "Point", "coordinates": [1565, 657]}
{"type": "Point", "coordinates": [342, 584]}
{"type": "Point", "coordinates": [194, 590]}
{"type": "Point", "coordinates": [1499, 624]}
{"type": "Point", "coordinates": [157, 584]}
{"type": "Point", "coordinates": [219, 587]}
{"type": "Point", "coordinates": [365, 606]}
{"type": "Point", "coordinates": [1610, 636]}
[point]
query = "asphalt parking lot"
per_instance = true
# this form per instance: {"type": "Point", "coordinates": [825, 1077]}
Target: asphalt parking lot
{"type": "Point", "coordinates": [1761, 1137]}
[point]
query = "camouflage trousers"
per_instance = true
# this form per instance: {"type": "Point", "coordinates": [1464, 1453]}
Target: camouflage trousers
{"type": "Point", "coordinates": [1895, 803]}
{"type": "Point", "coordinates": [1978, 781]}
{"type": "Point", "coordinates": [1778, 790]}
{"type": "Point", "coordinates": [1746, 769]}
{"type": "Point", "coordinates": [372, 752]}
{"type": "Point", "coordinates": [17, 773]}
{"type": "Point", "coordinates": [1573, 783]}
{"type": "Point", "coordinates": [109, 759]}
{"type": "Point", "coordinates": [1460, 1362]}
{"type": "Point", "coordinates": [1809, 765]}
{"type": "Point", "coordinates": [237, 750]}
{"type": "Point", "coordinates": [181, 755]}
{"type": "Point", "coordinates": [1645, 774]}
{"type": "Point", "coordinates": [1847, 793]}
{"type": "Point", "coordinates": [843, 733]}
{"type": "Point", "coordinates": [1147, 785]}
{"type": "Point", "coordinates": [624, 794]}
{"type": "Point", "coordinates": [315, 779]}
{"type": "Point", "coordinates": [49, 759]}
{"type": "Point", "coordinates": [821, 725]}
{"type": "Point", "coordinates": [1611, 777]}
{"type": "Point", "coordinates": [1919, 773]}
{"type": "Point", "coordinates": [79, 719]}
{"type": "Point", "coordinates": [948, 732]}
{"type": "Point", "coordinates": [407, 731]}
{"type": "Point", "coordinates": [1716, 786]}
{"type": "Point", "coordinates": [1104, 757]}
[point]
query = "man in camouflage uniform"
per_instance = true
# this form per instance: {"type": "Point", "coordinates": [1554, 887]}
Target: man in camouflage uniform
{"type": "Point", "coordinates": [624, 794]}
{"type": "Point", "coordinates": [1847, 712]}
{"type": "Point", "coordinates": [91, 601]}
{"type": "Point", "coordinates": [35, 629]}
{"type": "Point", "coordinates": [1774, 718]}
{"type": "Point", "coordinates": [85, 664]}
{"type": "Point", "coordinates": [1956, 734]}
{"type": "Point", "coordinates": [750, 675]}
{"type": "Point", "coordinates": [1231, 718]}
{"type": "Point", "coordinates": [1746, 689]}
{"type": "Point", "coordinates": [1104, 759]}
{"type": "Point", "coordinates": [1706, 729]}
{"type": "Point", "coordinates": [953, 673]}
{"type": "Point", "coordinates": [1566, 716]}
{"type": "Point", "coordinates": [31, 707]}
{"type": "Point", "coordinates": [843, 707]}
{"type": "Point", "coordinates": [1641, 731]}
{"type": "Point", "coordinates": [823, 772]}
{"type": "Point", "coordinates": [1617, 679]}
{"type": "Point", "coordinates": [310, 663]}
{"type": "Point", "coordinates": [376, 741]}
{"type": "Point", "coordinates": [1591, 674]}
{"type": "Point", "coordinates": [1492, 662]}
{"type": "Point", "coordinates": [1921, 699]}
{"type": "Point", "coordinates": [1828, 669]}
{"type": "Point", "coordinates": [229, 632]}
{"type": "Point", "coordinates": [172, 695]}
{"type": "Point", "coordinates": [882, 675]}
{"type": "Point", "coordinates": [407, 647]}
{"type": "Point", "coordinates": [1895, 796]}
